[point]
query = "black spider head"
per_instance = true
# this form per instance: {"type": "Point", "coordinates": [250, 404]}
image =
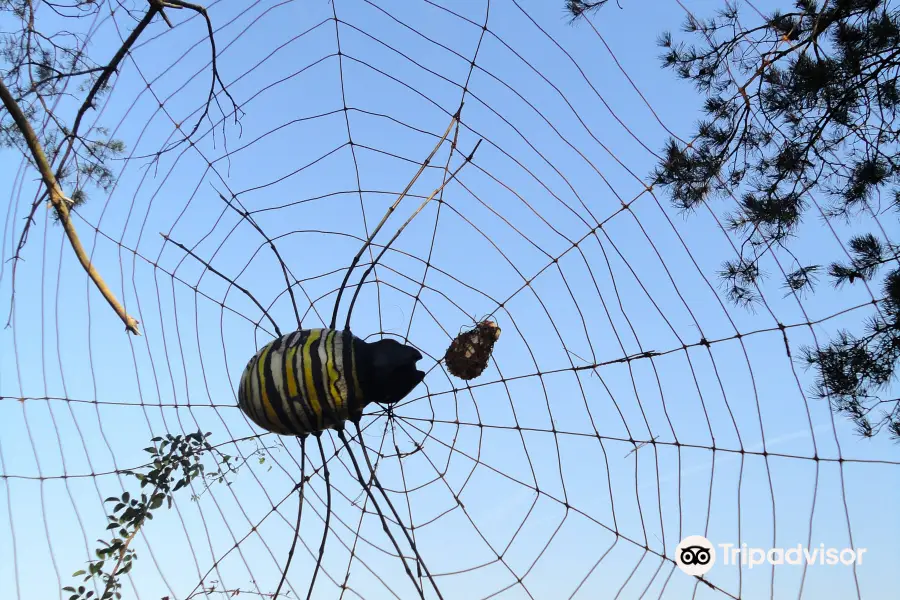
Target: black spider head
{"type": "Point", "coordinates": [388, 370]}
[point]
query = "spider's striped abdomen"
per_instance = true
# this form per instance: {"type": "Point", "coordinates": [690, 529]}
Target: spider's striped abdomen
{"type": "Point", "coordinates": [303, 382]}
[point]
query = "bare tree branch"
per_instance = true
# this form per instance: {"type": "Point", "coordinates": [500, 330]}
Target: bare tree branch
{"type": "Point", "coordinates": [61, 205]}
{"type": "Point", "coordinates": [103, 80]}
{"type": "Point", "coordinates": [40, 69]}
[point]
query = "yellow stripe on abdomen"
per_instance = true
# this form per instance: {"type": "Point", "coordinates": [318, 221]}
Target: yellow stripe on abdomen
{"type": "Point", "coordinates": [270, 411]}
{"type": "Point", "coordinates": [333, 375]}
{"type": "Point", "coordinates": [308, 375]}
{"type": "Point", "coordinates": [291, 378]}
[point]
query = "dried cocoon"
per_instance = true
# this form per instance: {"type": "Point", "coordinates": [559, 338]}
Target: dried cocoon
{"type": "Point", "coordinates": [469, 353]}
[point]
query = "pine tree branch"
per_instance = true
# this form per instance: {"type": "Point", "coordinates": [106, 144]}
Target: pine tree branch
{"type": "Point", "coordinates": [60, 204]}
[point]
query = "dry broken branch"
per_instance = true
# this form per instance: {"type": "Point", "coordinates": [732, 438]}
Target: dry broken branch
{"type": "Point", "coordinates": [61, 155]}
{"type": "Point", "coordinates": [61, 205]}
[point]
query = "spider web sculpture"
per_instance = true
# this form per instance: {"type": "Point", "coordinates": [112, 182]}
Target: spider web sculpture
{"type": "Point", "coordinates": [626, 406]}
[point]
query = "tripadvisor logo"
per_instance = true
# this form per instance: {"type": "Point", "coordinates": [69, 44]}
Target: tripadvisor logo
{"type": "Point", "coordinates": [696, 555]}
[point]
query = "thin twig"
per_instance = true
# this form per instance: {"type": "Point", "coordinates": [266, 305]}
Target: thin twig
{"type": "Point", "coordinates": [178, 4]}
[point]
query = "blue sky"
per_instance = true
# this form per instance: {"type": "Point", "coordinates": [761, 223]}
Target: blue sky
{"type": "Point", "coordinates": [566, 140]}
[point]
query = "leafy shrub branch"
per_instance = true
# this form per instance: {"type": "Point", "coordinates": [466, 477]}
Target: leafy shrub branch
{"type": "Point", "coordinates": [176, 461]}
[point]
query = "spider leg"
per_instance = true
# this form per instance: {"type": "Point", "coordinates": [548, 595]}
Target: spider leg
{"type": "Point", "coordinates": [368, 242]}
{"type": "Point", "coordinates": [412, 544]}
{"type": "Point", "coordinates": [230, 281]}
{"type": "Point", "coordinates": [312, 583]}
{"type": "Point", "coordinates": [290, 557]}
{"type": "Point", "coordinates": [284, 268]}
{"type": "Point", "coordinates": [384, 523]}
{"type": "Point", "coordinates": [402, 227]}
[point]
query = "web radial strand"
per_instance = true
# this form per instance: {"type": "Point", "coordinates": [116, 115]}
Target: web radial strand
{"type": "Point", "coordinates": [626, 406]}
